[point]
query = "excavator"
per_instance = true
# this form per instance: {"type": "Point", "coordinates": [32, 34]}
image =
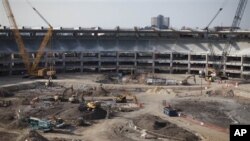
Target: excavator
{"type": "Point", "coordinates": [185, 81]}
{"type": "Point", "coordinates": [123, 98]}
{"type": "Point", "coordinates": [32, 68]}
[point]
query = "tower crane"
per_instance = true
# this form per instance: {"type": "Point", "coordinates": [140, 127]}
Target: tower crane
{"type": "Point", "coordinates": [32, 70]}
{"type": "Point", "coordinates": [238, 15]}
{"type": "Point", "coordinates": [235, 25]}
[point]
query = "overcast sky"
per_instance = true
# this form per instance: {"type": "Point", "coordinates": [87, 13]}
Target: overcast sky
{"type": "Point", "coordinates": [125, 13]}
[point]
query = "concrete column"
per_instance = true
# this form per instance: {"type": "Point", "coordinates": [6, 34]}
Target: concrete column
{"type": "Point", "coordinates": [224, 65]}
{"type": "Point", "coordinates": [171, 62]}
{"type": "Point", "coordinates": [117, 62]}
{"type": "Point", "coordinates": [99, 62]}
{"type": "Point", "coordinates": [135, 67]}
{"type": "Point", "coordinates": [153, 63]}
{"type": "Point", "coordinates": [81, 60]}
{"type": "Point", "coordinates": [241, 66]}
{"type": "Point", "coordinates": [189, 63]}
{"type": "Point", "coordinates": [11, 62]}
{"type": "Point", "coordinates": [206, 69]}
{"type": "Point", "coordinates": [63, 59]}
{"type": "Point", "coordinates": [46, 59]}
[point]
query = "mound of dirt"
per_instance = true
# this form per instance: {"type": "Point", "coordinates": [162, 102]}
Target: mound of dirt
{"type": "Point", "coordinates": [18, 125]}
{"type": "Point", "coordinates": [159, 90]}
{"type": "Point", "coordinates": [33, 136]}
{"type": "Point", "coordinates": [206, 111]}
{"type": "Point", "coordinates": [70, 114]}
{"type": "Point", "coordinates": [7, 118]}
{"type": "Point", "coordinates": [5, 93]}
{"type": "Point", "coordinates": [8, 136]}
{"type": "Point", "coordinates": [100, 91]}
{"type": "Point", "coordinates": [157, 125]}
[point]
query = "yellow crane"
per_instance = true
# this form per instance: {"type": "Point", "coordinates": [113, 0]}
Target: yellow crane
{"type": "Point", "coordinates": [32, 69]}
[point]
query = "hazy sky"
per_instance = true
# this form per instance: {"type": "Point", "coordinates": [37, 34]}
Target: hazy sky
{"type": "Point", "coordinates": [125, 13]}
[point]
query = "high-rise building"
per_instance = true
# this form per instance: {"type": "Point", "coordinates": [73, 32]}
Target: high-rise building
{"type": "Point", "coordinates": [160, 22]}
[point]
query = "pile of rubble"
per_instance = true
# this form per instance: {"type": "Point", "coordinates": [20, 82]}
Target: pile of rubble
{"type": "Point", "coordinates": [33, 136]}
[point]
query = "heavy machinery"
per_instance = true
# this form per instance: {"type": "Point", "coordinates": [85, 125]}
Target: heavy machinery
{"type": "Point", "coordinates": [185, 81]}
{"type": "Point", "coordinates": [72, 97]}
{"type": "Point", "coordinates": [32, 68]}
{"type": "Point", "coordinates": [170, 111]}
{"type": "Point", "coordinates": [39, 124]}
{"type": "Point", "coordinates": [5, 103]}
{"type": "Point", "coordinates": [57, 122]}
{"type": "Point", "coordinates": [235, 25]}
{"type": "Point", "coordinates": [207, 27]}
{"type": "Point", "coordinates": [123, 98]}
{"type": "Point", "coordinates": [89, 106]}
{"type": "Point", "coordinates": [93, 105]}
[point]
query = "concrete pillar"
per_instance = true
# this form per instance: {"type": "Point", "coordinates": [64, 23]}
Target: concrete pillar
{"type": "Point", "coordinates": [206, 69]}
{"type": "Point", "coordinates": [224, 64]}
{"type": "Point", "coordinates": [99, 62]}
{"type": "Point", "coordinates": [11, 60]}
{"type": "Point", "coordinates": [81, 61]}
{"type": "Point", "coordinates": [135, 67]}
{"type": "Point", "coordinates": [153, 63]}
{"type": "Point", "coordinates": [63, 59]}
{"type": "Point", "coordinates": [171, 62]}
{"type": "Point", "coordinates": [189, 63]}
{"type": "Point", "coordinates": [46, 59]}
{"type": "Point", "coordinates": [117, 62]}
{"type": "Point", "coordinates": [241, 66]}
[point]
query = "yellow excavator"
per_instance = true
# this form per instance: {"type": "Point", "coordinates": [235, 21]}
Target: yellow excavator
{"type": "Point", "coordinates": [185, 81]}
{"type": "Point", "coordinates": [32, 68]}
{"type": "Point", "coordinates": [123, 98]}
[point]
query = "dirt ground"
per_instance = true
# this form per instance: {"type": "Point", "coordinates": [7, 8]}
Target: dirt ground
{"type": "Point", "coordinates": [211, 106]}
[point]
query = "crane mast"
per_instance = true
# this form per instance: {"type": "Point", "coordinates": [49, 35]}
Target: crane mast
{"type": "Point", "coordinates": [239, 13]}
{"type": "Point", "coordinates": [17, 35]}
{"type": "Point", "coordinates": [236, 22]}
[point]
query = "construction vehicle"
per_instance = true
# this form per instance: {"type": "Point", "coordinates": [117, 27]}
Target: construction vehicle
{"type": "Point", "coordinates": [57, 122]}
{"type": "Point", "coordinates": [170, 111]}
{"type": "Point", "coordinates": [32, 68]}
{"type": "Point", "coordinates": [39, 124]}
{"type": "Point", "coordinates": [93, 105]}
{"type": "Point", "coordinates": [5, 103]}
{"type": "Point", "coordinates": [213, 74]}
{"type": "Point", "coordinates": [34, 101]}
{"type": "Point", "coordinates": [73, 97]}
{"type": "Point", "coordinates": [89, 106]}
{"type": "Point", "coordinates": [185, 81]}
{"type": "Point", "coordinates": [123, 98]}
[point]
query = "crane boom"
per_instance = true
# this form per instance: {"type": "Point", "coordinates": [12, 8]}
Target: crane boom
{"type": "Point", "coordinates": [239, 13]}
{"type": "Point", "coordinates": [40, 51]}
{"type": "Point", "coordinates": [17, 35]}
{"type": "Point", "coordinates": [44, 43]}
{"type": "Point", "coordinates": [213, 18]}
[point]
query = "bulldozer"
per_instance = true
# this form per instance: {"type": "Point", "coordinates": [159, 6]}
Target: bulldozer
{"type": "Point", "coordinates": [123, 98]}
{"type": "Point", "coordinates": [89, 106]}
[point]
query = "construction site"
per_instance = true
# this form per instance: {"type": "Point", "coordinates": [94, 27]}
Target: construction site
{"type": "Point", "coordinates": [94, 84]}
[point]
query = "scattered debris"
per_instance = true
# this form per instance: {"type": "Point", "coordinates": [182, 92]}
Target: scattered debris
{"type": "Point", "coordinates": [163, 128]}
{"type": "Point", "coordinates": [33, 136]}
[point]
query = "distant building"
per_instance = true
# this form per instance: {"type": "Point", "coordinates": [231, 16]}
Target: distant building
{"type": "Point", "coordinates": [160, 22]}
